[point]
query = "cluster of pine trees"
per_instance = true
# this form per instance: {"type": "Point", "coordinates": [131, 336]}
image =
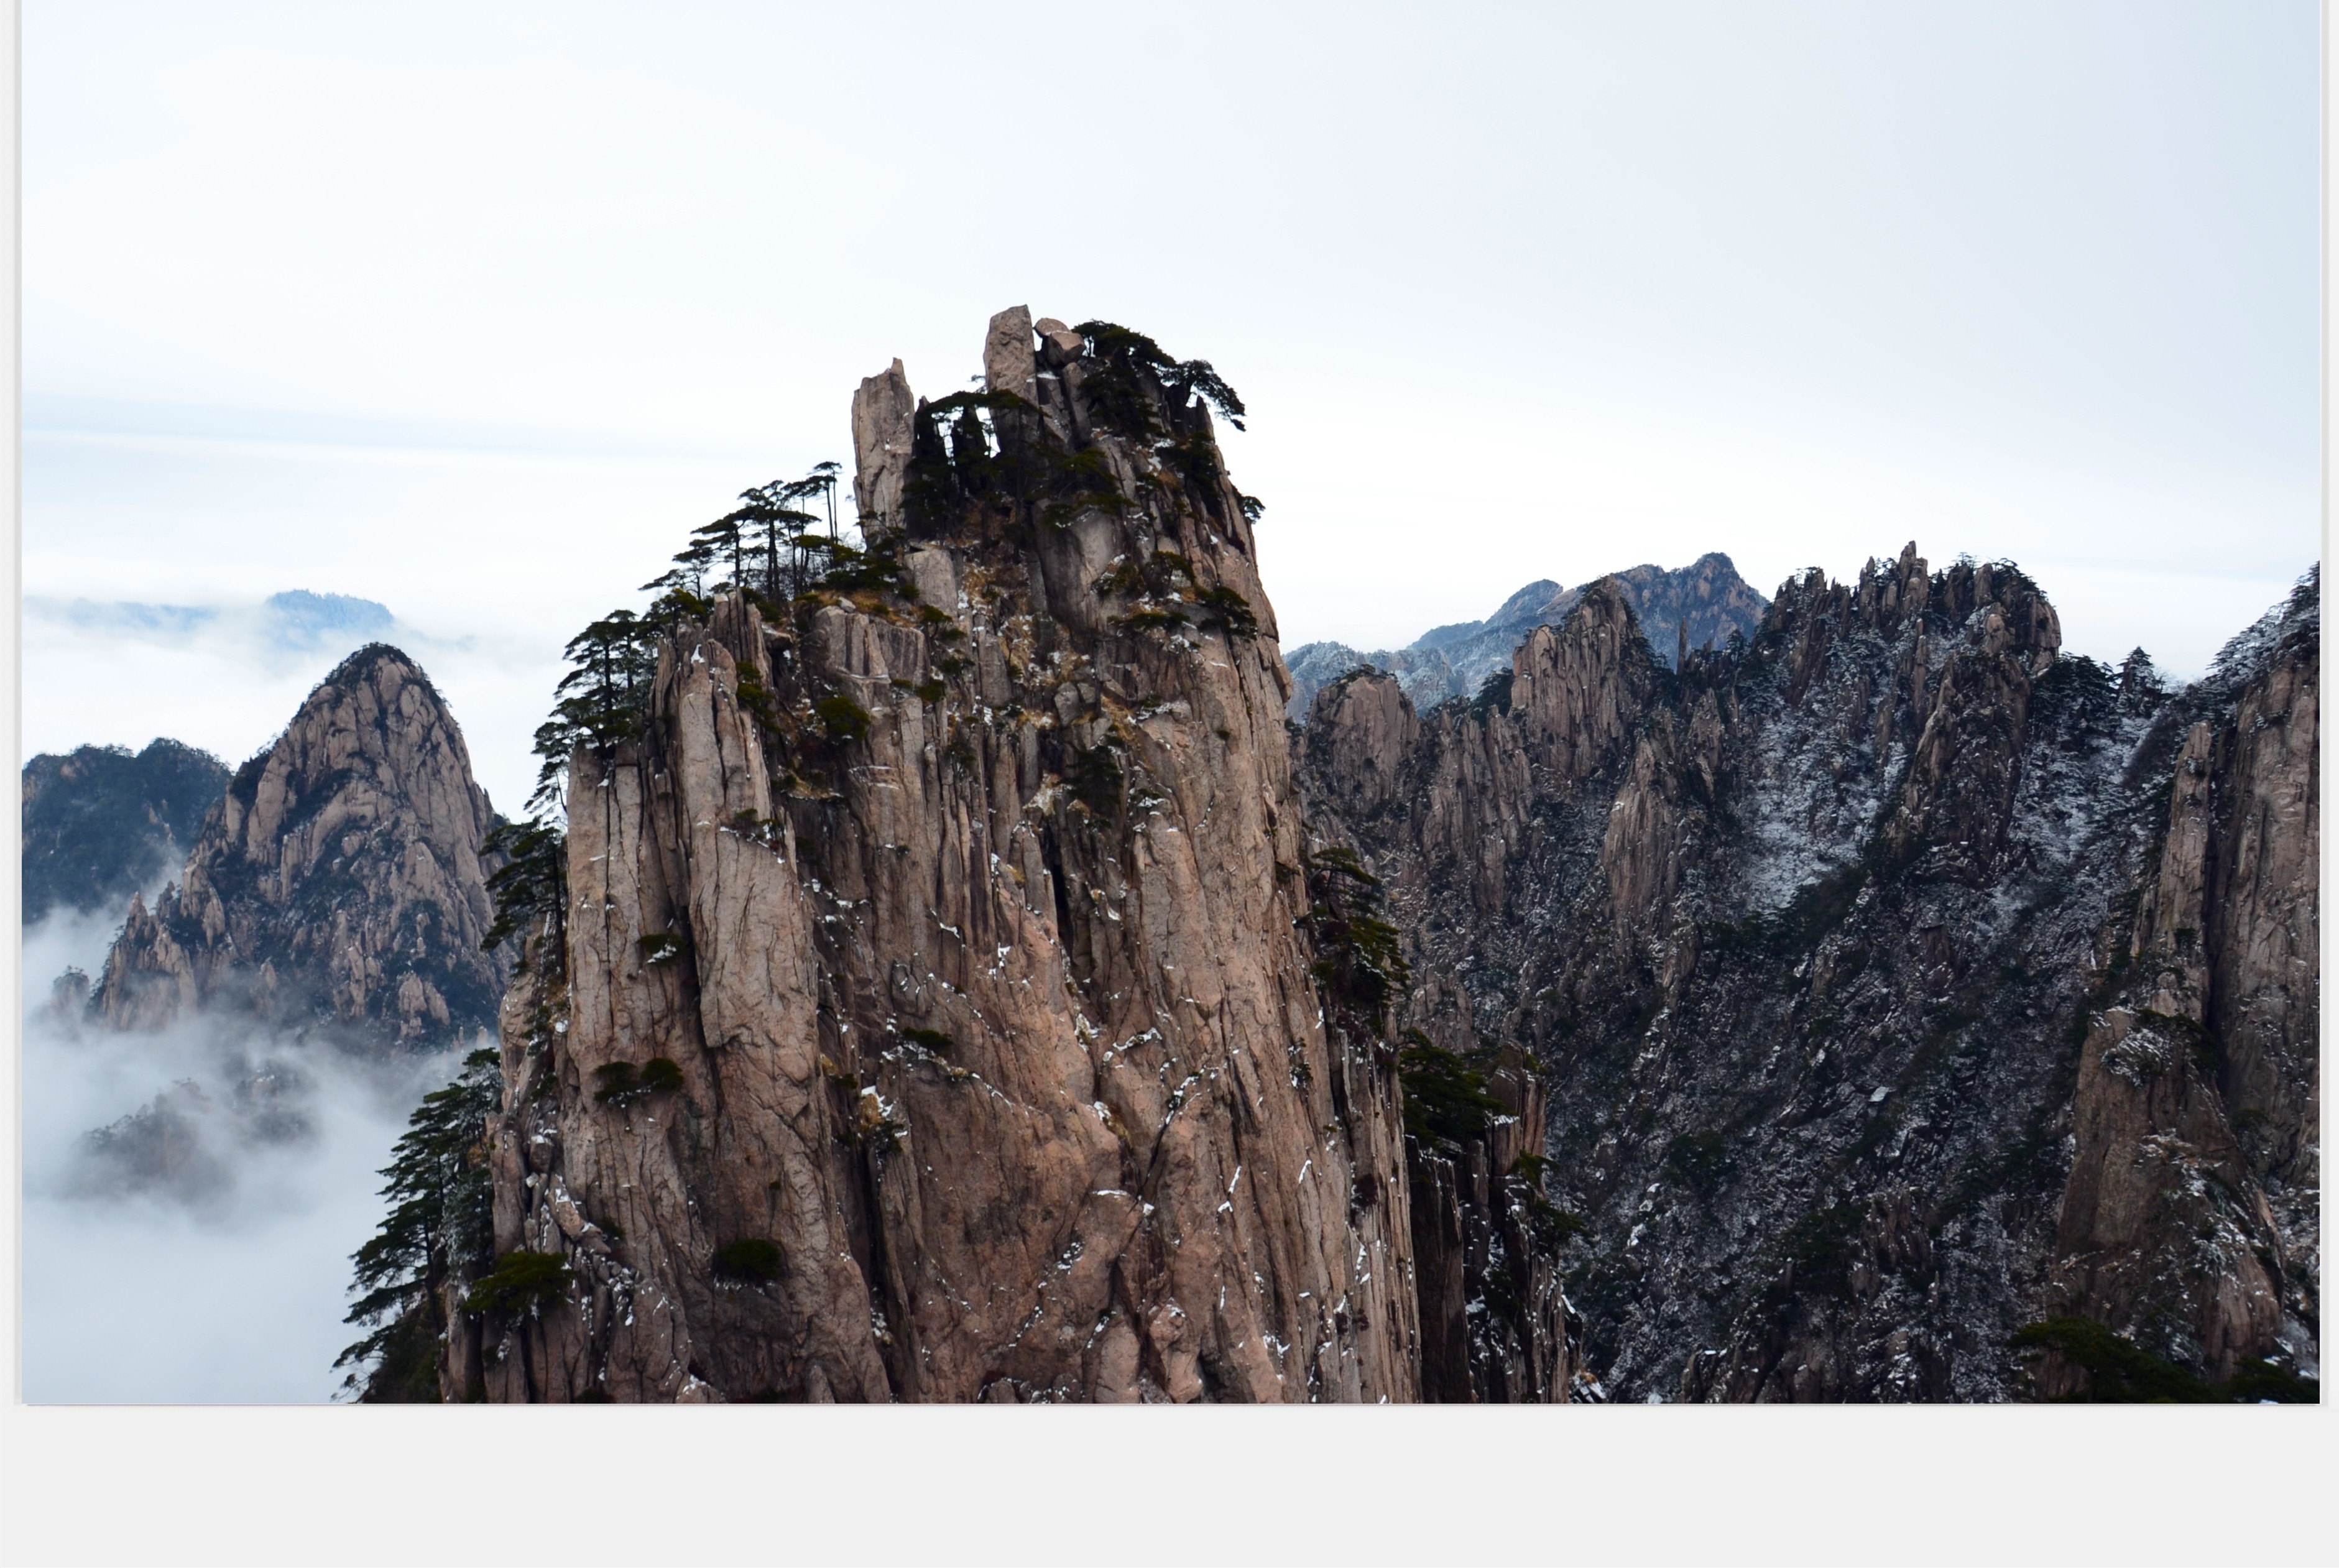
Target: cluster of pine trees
{"type": "Point", "coordinates": [770, 546]}
{"type": "Point", "coordinates": [441, 1227]}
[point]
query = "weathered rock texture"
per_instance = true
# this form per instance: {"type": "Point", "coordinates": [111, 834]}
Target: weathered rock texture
{"type": "Point", "coordinates": [337, 888]}
{"type": "Point", "coordinates": [1700, 605]}
{"type": "Point", "coordinates": [2190, 1221]}
{"type": "Point", "coordinates": [1495, 1326]}
{"type": "Point", "coordinates": [1898, 981]}
{"type": "Point", "coordinates": [934, 1014]}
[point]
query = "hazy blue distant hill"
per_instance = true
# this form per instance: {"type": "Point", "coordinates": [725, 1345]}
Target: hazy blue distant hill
{"type": "Point", "coordinates": [302, 619]}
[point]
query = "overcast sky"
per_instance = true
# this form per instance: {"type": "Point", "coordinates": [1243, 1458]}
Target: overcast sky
{"type": "Point", "coordinates": [477, 311]}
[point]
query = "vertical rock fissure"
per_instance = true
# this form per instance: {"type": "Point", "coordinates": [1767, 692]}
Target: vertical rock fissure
{"type": "Point", "coordinates": [1007, 1142]}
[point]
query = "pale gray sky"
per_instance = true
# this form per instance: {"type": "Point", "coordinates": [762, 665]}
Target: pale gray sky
{"type": "Point", "coordinates": [476, 310]}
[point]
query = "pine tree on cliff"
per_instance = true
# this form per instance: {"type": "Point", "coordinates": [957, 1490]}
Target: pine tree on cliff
{"type": "Point", "coordinates": [1116, 392]}
{"type": "Point", "coordinates": [819, 485]}
{"type": "Point", "coordinates": [681, 588]}
{"type": "Point", "coordinates": [599, 702]}
{"type": "Point", "coordinates": [777, 524]}
{"type": "Point", "coordinates": [531, 889]}
{"type": "Point", "coordinates": [440, 1227]}
{"type": "Point", "coordinates": [731, 537]}
{"type": "Point", "coordinates": [826, 475]}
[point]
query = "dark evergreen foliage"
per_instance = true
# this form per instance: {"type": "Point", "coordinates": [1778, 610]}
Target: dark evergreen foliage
{"type": "Point", "coordinates": [440, 1227]}
{"type": "Point", "coordinates": [521, 1281]}
{"type": "Point", "coordinates": [600, 701]}
{"type": "Point", "coordinates": [1095, 779]}
{"type": "Point", "coordinates": [763, 548]}
{"type": "Point", "coordinates": [1227, 609]}
{"type": "Point", "coordinates": [1494, 694]}
{"type": "Point", "coordinates": [752, 1261]}
{"type": "Point", "coordinates": [2119, 1371]}
{"type": "Point", "coordinates": [1362, 964]}
{"type": "Point", "coordinates": [844, 720]}
{"type": "Point", "coordinates": [1116, 392]}
{"type": "Point", "coordinates": [621, 1083]}
{"type": "Point", "coordinates": [530, 887]}
{"type": "Point", "coordinates": [987, 455]}
{"type": "Point", "coordinates": [1445, 1099]}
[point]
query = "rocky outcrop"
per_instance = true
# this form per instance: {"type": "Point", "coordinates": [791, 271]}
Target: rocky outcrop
{"type": "Point", "coordinates": [938, 1011]}
{"type": "Point", "coordinates": [338, 887]}
{"type": "Point", "coordinates": [68, 998]}
{"type": "Point", "coordinates": [1886, 1002]}
{"type": "Point", "coordinates": [1700, 605]}
{"type": "Point", "coordinates": [1578, 691]}
{"type": "Point", "coordinates": [101, 823]}
{"type": "Point", "coordinates": [1957, 800]}
{"type": "Point", "coordinates": [1366, 736]}
{"type": "Point", "coordinates": [1495, 1326]}
{"type": "Point", "coordinates": [159, 1147]}
{"type": "Point", "coordinates": [881, 411]}
{"type": "Point", "coordinates": [2190, 1222]}
{"type": "Point", "coordinates": [2261, 932]}
{"type": "Point", "coordinates": [2159, 1234]}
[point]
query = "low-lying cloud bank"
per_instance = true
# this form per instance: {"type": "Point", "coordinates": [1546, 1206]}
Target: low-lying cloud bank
{"type": "Point", "coordinates": [197, 1250]}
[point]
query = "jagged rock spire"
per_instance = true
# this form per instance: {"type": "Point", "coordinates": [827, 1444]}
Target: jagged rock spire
{"type": "Point", "coordinates": [964, 920]}
{"type": "Point", "coordinates": [882, 410]}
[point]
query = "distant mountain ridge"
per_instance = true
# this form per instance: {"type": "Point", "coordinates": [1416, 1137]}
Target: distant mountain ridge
{"type": "Point", "coordinates": [1697, 606]}
{"type": "Point", "coordinates": [101, 823]}
{"type": "Point", "coordinates": [1924, 1012]}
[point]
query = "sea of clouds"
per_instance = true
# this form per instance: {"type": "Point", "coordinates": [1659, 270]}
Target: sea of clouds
{"type": "Point", "coordinates": [227, 1283]}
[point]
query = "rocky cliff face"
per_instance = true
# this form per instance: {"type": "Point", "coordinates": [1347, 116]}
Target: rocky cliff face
{"type": "Point", "coordinates": [338, 887]}
{"type": "Point", "coordinates": [2190, 1220]}
{"type": "Point", "coordinates": [102, 824]}
{"type": "Point", "coordinates": [1699, 606]}
{"type": "Point", "coordinates": [1495, 1328]}
{"type": "Point", "coordinates": [939, 1008]}
{"type": "Point", "coordinates": [1900, 985]}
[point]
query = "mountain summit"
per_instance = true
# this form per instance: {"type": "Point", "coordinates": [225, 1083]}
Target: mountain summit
{"type": "Point", "coordinates": [953, 892]}
{"type": "Point", "coordinates": [339, 886]}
